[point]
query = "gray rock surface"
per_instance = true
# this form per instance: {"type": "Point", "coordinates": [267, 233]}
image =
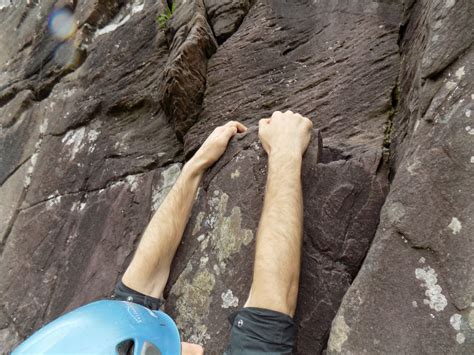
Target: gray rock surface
{"type": "Point", "coordinates": [415, 291]}
{"type": "Point", "coordinates": [226, 16]}
{"type": "Point", "coordinates": [94, 129]}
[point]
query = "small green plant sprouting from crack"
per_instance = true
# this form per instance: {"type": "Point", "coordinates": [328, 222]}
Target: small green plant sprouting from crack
{"type": "Point", "coordinates": [395, 97]}
{"type": "Point", "coordinates": [164, 17]}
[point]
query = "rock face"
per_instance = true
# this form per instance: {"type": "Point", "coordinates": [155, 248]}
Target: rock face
{"type": "Point", "coordinates": [96, 124]}
{"type": "Point", "coordinates": [415, 291]}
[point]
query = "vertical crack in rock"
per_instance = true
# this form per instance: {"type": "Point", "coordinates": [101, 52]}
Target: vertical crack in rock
{"type": "Point", "coordinates": [192, 43]}
{"type": "Point", "coordinates": [184, 77]}
{"type": "Point", "coordinates": [419, 267]}
{"type": "Point", "coordinates": [226, 16]}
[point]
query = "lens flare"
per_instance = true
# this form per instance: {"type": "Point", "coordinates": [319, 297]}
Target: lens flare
{"type": "Point", "coordinates": [62, 24]}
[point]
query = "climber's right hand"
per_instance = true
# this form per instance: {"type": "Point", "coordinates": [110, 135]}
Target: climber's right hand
{"type": "Point", "coordinates": [285, 133]}
{"type": "Point", "coordinates": [215, 145]}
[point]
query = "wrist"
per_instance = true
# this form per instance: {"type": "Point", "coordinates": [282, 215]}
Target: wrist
{"type": "Point", "coordinates": [194, 167]}
{"type": "Point", "coordinates": [285, 156]}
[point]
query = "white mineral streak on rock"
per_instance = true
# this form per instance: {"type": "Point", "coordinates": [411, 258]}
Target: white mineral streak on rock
{"type": "Point", "coordinates": [203, 261]}
{"type": "Point", "coordinates": [417, 124]}
{"type": "Point", "coordinates": [5, 3]}
{"type": "Point", "coordinates": [52, 202]}
{"type": "Point", "coordinates": [414, 304]}
{"type": "Point", "coordinates": [422, 260]}
{"type": "Point", "coordinates": [396, 211]}
{"type": "Point", "coordinates": [74, 139]}
{"type": "Point", "coordinates": [460, 338]}
{"type": "Point", "coordinates": [169, 178]}
{"type": "Point", "coordinates": [450, 85]}
{"type": "Point", "coordinates": [30, 170]}
{"type": "Point", "coordinates": [42, 130]}
{"type": "Point", "coordinates": [132, 180]}
{"type": "Point", "coordinates": [455, 225]}
{"type": "Point", "coordinates": [412, 168]}
{"type": "Point", "coordinates": [122, 17]}
{"type": "Point", "coordinates": [112, 26]}
{"type": "Point", "coordinates": [450, 3]}
{"type": "Point", "coordinates": [468, 113]}
{"type": "Point", "coordinates": [470, 130]}
{"type": "Point", "coordinates": [197, 226]}
{"type": "Point", "coordinates": [339, 334]}
{"type": "Point", "coordinates": [235, 174]}
{"type": "Point", "coordinates": [436, 299]}
{"type": "Point", "coordinates": [460, 73]}
{"type": "Point", "coordinates": [472, 160]}
{"type": "Point", "coordinates": [92, 135]}
{"type": "Point", "coordinates": [138, 6]}
{"type": "Point", "coordinates": [455, 321]}
{"type": "Point", "coordinates": [43, 126]}
{"type": "Point", "coordinates": [229, 300]}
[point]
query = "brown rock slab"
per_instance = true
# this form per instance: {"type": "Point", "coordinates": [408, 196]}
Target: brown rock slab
{"type": "Point", "coordinates": [226, 16]}
{"type": "Point", "coordinates": [335, 62]}
{"type": "Point", "coordinates": [212, 272]}
{"type": "Point", "coordinates": [414, 292]}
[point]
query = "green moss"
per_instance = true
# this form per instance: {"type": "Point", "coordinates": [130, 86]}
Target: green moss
{"type": "Point", "coordinates": [163, 18]}
{"type": "Point", "coordinates": [395, 99]}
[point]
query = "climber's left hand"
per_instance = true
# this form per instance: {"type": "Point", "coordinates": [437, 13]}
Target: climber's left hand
{"type": "Point", "coordinates": [215, 145]}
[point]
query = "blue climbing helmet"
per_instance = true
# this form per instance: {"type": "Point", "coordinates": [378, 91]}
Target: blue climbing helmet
{"type": "Point", "coordinates": [106, 327]}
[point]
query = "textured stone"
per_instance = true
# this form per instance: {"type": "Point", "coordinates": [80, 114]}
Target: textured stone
{"type": "Point", "coordinates": [336, 62]}
{"type": "Point", "coordinates": [342, 198]}
{"type": "Point", "coordinates": [417, 283]}
{"type": "Point", "coordinates": [184, 78]}
{"type": "Point", "coordinates": [226, 16]}
{"type": "Point", "coordinates": [95, 129]}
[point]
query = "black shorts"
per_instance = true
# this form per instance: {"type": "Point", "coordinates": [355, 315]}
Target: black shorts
{"type": "Point", "coordinates": [261, 331]}
{"type": "Point", "coordinates": [254, 331]}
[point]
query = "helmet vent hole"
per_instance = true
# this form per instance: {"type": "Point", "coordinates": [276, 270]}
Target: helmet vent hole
{"type": "Point", "coordinates": [125, 347]}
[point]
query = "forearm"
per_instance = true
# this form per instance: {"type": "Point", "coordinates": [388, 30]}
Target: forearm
{"type": "Point", "coordinates": [281, 227]}
{"type": "Point", "coordinates": [163, 235]}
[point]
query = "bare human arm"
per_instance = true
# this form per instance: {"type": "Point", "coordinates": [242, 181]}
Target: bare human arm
{"type": "Point", "coordinates": [150, 267]}
{"type": "Point", "coordinates": [285, 138]}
